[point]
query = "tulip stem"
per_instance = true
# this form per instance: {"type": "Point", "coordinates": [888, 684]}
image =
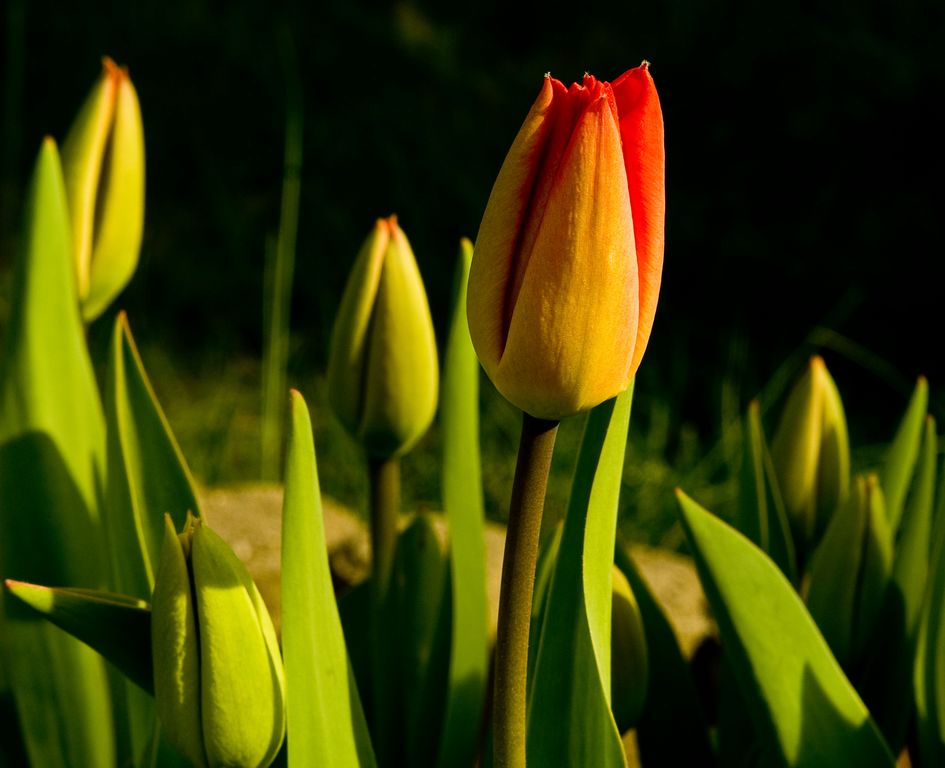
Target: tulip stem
{"type": "Point", "coordinates": [385, 503]}
{"type": "Point", "coordinates": [518, 580]}
{"type": "Point", "coordinates": [385, 508]}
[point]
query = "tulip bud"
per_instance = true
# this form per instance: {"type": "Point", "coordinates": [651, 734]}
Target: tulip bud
{"type": "Point", "coordinates": [851, 570]}
{"type": "Point", "coordinates": [218, 676]}
{"type": "Point", "coordinates": [811, 454]}
{"type": "Point", "coordinates": [567, 265]}
{"type": "Point", "coordinates": [628, 656]}
{"type": "Point", "coordinates": [382, 367]}
{"type": "Point", "coordinates": [103, 164]}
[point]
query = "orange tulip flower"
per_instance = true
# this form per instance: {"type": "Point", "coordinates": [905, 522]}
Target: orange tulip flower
{"type": "Point", "coordinates": [566, 272]}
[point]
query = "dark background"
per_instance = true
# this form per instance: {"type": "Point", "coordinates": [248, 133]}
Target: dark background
{"type": "Point", "coordinates": [804, 171]}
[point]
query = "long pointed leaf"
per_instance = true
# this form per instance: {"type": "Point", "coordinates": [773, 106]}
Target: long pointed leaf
{"type": "Point", "coordinates": [803, 706]}
{"type": "Point", "coordinates": [570, 720]}
{"type": "Point", "coordinates": [116, 626]}
{"type": "Point", "coordinates": [929, 666]}
{"type": "Point", "coordinates": [761, 515]}
{"type": "Point", "coordinates": [51, 460]}
{"type": "Point", "coordinates": [462, 501]}
{"type": "Point", "coordinates": [147, 477]}
{"type": "Point", "coordinates": [326, 724]}
{"type": "Point", "coordinates": [147, 474]}
{"type": "Point", "coordinates": [901, 458]}
{"type": "Point", "coordinates": [887, 684]}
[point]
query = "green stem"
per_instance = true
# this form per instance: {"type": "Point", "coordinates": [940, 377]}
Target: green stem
{"type": "Point", "coordinates": [385, 507]}
{"type": "Point", "coordinates": [518, 581]}
{"type": "Point", "coordinates": [385, 504]}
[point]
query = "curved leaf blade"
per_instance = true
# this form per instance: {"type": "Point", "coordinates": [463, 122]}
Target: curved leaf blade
{"type": "Point", "coordinates": [51, 460]}
{"type": "Point", "coordinates": [116, 626]}
{"type": "Point", "coordinates": [570, 720]}
{"type": "Point", "coordinates": [803, 706]}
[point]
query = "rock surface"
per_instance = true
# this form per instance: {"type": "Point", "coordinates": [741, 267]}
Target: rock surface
{"type": "Point", "coordinates": [249, 518]}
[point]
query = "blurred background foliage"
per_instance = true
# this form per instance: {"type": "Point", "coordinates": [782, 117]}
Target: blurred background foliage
{"type": "Point", "coordinates": [805, 197]}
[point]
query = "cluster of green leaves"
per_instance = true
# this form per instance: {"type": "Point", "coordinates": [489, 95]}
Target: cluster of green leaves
{"type": "Point", "coordinates": [828, 616]}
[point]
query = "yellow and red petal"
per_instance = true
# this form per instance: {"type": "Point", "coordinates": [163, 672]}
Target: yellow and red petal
{"type": "Point", "coordinates": [641, 130]}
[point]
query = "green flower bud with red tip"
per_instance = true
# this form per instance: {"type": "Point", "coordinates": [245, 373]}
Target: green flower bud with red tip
{"type": "Point", "coordinates": [219, 684]}
{"type": "Point", "coordinates": [103, 165]}
{"type": "Point", "coordinates": [383, 375]}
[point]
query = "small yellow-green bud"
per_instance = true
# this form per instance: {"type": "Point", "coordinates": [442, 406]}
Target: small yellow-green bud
{"type": "Point", "coordinates": [219, 684]}
{"type": "Point", "coordinates": [382, 368]}
{"type": "Point", "coordinates": [103, 164]}
{"type": "Point", "coordinates": [811, 454]}
{"type": "Point", "coordinates": [628, 656]}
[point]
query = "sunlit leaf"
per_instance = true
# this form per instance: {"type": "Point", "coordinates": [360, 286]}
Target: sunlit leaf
{"type": "Point", "coordinates": [147, 474]}
{"type": "Point", "coordinates": [52, 447]}
{"type": "Point", "coordinates": [570, 720]}
{"type": "Point", "coordinates": [802, 705]}
{"type": "Point", "coordinates": [117, 626]}
{"type": "Point", "coordinates": [901, 458]}
{"type": "Point", "coordinates": [326, 724]}
{"type": "Point", "coordinates": [462, 501]}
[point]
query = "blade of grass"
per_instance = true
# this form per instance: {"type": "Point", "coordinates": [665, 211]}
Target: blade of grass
{"type": "Point", "coordinates": [280, 267]}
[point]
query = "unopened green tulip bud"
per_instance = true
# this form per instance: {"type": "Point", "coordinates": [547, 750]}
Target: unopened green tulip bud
{"type": "Point", "coordinates": [628, 656]}
{"type": "Point", "coordinates": [811, 454]}
{"type": "Point", "coordinates": [382, 367]}
{"type": "Point", "coordinates": [851, 570]}
{"type": "Point", "coordinates": [103, 164]}
{"type": "Point", "coordinates": [219, 684]}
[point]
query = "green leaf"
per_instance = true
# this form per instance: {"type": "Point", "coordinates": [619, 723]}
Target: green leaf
{"type": "Point", "coordinates": [761, 515]}
{"type": "Point", "coordinates": [570, 720]}
{"type": "Point", "coordinates": [929, 667]}
{"type": "Point", "coordinates": [52, 448]}
{"type": "Point", "coordinates": [421, 578]}
{"type": "Point", "coordinates": [463, 503]}
{"type": "Point", "coordinates": [803, 706]}
{"type": "Point", "coordinates": [116, 626]}
{"type": "Point", "coordinates": [900, 461]}
{"type": "Point", "coordinates": [326, 724]}
{"type": "Point", "coordinates": [147, 474]}
{"type": "Point", "coordinates": [548, 549]}
{"type": "Point", "coordinates": [147, 477]}
{"type": "Point", "coordinates": [887, 681]}
{"type": "Point", "coordinates": [850, 572]}
{"type": "Point", "coordinates": [672, 728]}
